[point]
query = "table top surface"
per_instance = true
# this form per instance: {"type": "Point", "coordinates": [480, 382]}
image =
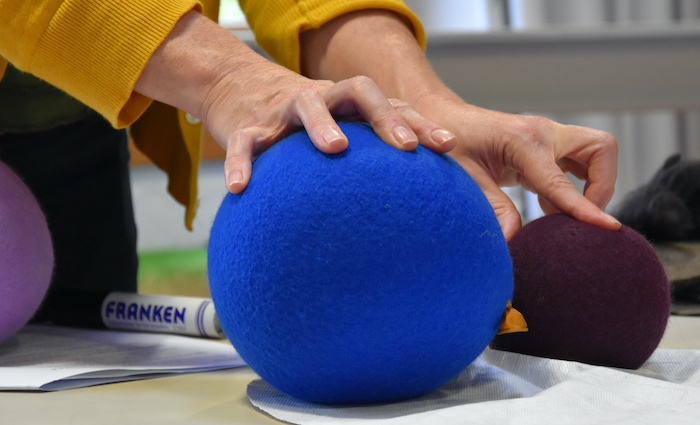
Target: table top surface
{"type": "Point", "coordinates": [200, 398]}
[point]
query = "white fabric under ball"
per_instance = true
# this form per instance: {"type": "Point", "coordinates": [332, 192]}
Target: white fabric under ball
{"type": "Point", "coordinates": [501, 387]}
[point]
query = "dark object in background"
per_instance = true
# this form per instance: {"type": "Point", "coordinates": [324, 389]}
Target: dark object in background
{"type": "Point", "coordinates": [681, 261]}
{"type": "Point", "coordinates": [687, 291]}
{"type": "Point", "coordinates": [668, 207]}
{"type": "Point", "coordinates": [667, 212]}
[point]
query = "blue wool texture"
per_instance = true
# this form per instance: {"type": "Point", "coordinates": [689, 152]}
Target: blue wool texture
{"type": "Point", "coordinates": [369, 276]}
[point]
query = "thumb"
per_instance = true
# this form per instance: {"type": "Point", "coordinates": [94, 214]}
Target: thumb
{"type": "Point", "coordinates": [506, 212]}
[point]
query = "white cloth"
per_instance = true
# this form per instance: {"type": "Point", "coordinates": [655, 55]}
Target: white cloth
{"type": "Point", "coordinates": [508, 388]}
{"type": "Point", "coordinates": [52, 358]}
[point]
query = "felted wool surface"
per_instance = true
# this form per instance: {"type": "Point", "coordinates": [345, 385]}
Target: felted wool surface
{"type": "Point", "coordinates": [26, 254]}
{"type": "Point", "coordinates": [363, 277]}
{"type": "Point", "coordinates": [588, 295]}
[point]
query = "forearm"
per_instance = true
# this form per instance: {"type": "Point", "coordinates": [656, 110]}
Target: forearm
{"type": "Point", "coordinates": [194, 60]}
{"type": "Point", "coordinates": [354, 44]}
{"type": "Point", "coordinates": [93, 50]}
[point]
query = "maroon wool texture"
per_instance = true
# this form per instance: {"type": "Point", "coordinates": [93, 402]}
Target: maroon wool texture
{"type": "Point", "coordinates": [588, 295]}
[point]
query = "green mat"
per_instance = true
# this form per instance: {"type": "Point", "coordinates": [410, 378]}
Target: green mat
{"type": "Point", "coordinates": [177, 272]}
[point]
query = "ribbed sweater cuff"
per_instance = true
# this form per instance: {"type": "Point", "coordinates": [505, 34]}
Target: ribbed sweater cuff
{"type": "Point", "coordinates": [96, 50]}
{"type": "Point", "coordinates": [277, 24]}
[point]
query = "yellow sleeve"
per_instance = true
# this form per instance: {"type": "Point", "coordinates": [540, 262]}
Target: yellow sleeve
{"type": "Point", "coordinates": [174, 143]}
{"type": "Point", "coordinates": [277, 23]}
{"type": "Point", "coordinates": [94, 50]}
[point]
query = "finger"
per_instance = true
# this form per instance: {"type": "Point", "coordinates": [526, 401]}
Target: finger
{"type": "Point", "coordinates": [311, 109]}
{"type": "Point", "coordinates": [506, 212]}
{"type": "Point", "coordinates": [430, 135]}
{"type": "Point", "coordinates": [592, 157]}
{"type": "Point", "coordinates": [602, 174]}
{"type": "Point", "coordinates": [238, 167]}
{"type": "Point", "coordinates": [546, 207]}
{"type": "Point", "coordinates": [360, 95]}
{"type": "Point", "coordinates": [598, 195]}
{"type": "Point", "coordinates": [550, 183]}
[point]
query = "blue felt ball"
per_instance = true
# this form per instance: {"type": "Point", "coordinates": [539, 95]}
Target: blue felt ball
{"type": "Point", "coordinates": [369, 276]}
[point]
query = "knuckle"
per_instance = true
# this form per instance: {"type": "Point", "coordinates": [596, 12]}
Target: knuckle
{"type": "Point", "coordinates": [362, 83]}
{"type": "Point", "coordinates": [235, 152]}
{"type": "Point", "coordinates": [305, 97]}
{"type": "Point", "coordinates": [406, 110]}
{"type": "Point", "coordinates": [399, 104]}
{"type": "Point", "coordinates": [532, 127]}
{"type": "Point", "coordinates": [559, 182]}
{"type": "Point", "coordinates": [607, 141]}
{"type": "Point", "coordinates": [386, 117]}
{"type": "Point", "coordinates": [540, 121]}
{"type": "Point", "coordinates": [235, 158]}
{"type": "Point", "coordinates": [320, 122]}
{"type": "Point", "coordinates": [240, 141]}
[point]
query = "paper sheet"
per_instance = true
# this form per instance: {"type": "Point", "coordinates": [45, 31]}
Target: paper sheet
{"type": "Point", "coordinates": [51, 358]}
{"type": "Point", "coordinates": [501, 387]}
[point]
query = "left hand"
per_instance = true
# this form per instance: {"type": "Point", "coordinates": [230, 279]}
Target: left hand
{"type": "Point", "coordinates": [499, 149]}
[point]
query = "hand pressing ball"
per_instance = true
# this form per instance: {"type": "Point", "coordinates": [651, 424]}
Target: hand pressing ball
{"type": "Point", "coordinates": [26, 254]}
{"type": "Point", "coordinates": [369, 276]}
{"type": "Point", "coordinates": [589, 295]}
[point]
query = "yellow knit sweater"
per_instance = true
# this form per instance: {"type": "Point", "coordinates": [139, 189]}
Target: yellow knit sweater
{"type": "Point", "coordinates": [277, 23]}
{"type": "Point", "coordinates": [95, 51]}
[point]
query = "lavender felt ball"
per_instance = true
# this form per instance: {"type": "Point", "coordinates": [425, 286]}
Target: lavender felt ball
{"type": "Point", "coordinates": [589, 295]}
{"type": "Point", "coordinates": [26, 254]}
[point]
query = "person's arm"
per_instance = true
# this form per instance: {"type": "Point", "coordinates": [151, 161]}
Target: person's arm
{"type": "Point", "coordinates": [497, 149]}
{"type": "Point", "coordinates": [248, 102]}
{"type": "Point", "coordinates": [93, 50]}
{"type": "Point", "coordinates": [117, 57]}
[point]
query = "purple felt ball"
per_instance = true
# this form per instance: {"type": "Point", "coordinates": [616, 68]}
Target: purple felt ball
{"type": "Point", "coordinates": [26, 254]}
{"type": "Point", "coordinates": [589, 295]}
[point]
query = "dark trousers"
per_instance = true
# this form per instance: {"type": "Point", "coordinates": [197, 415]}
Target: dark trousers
{"type": "Point", "coordinates": [80, 175]}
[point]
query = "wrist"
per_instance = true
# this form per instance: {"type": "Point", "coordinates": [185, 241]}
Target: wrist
{"type": "Point", "coordinates": [192, 62]}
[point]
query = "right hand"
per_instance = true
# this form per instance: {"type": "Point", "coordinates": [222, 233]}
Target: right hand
{"type": "Point", "coordinates": [248, 103]}
{"type": "Point", "coordinates": [276, 101]}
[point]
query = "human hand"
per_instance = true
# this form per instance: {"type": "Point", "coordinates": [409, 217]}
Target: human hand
{"type": "Point", "coordinates": [499, 149]}
{"type": "Point", "coordinates": [277, 101]}
{"type": "Point", "coordinates": [248, 103]}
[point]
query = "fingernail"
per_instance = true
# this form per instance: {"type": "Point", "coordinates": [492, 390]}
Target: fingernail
{"type": "Point", "coordinates": [330, 135]}
{"type": "Point", "coordinates": [404, 135]}
{"type": "Point", "coordinates": [235, 177]}
{"type": "Point", "coordinates": [441, 136]}
{"type": "Point", "coordinates": [614, 221]}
